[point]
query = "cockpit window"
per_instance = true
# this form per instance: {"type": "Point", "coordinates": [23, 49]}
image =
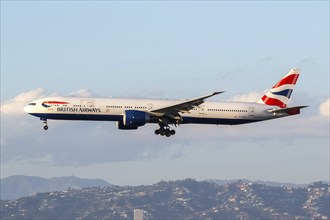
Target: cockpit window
{"type": "Point", "coordinates": [32, 103]}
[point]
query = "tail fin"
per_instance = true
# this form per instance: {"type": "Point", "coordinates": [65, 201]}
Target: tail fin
{"type": "Point", "coordinates": [280, 94]}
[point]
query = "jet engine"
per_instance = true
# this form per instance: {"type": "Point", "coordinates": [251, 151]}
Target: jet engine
{"type": "Point", "coordinates": [132, 119]}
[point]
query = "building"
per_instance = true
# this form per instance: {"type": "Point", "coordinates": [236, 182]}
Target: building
{"type": "Point", "coordinates": [138, 214]}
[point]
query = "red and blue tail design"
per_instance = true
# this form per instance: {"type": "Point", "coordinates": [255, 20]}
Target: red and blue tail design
{"type": "Point", "coordinates": [280, 94]}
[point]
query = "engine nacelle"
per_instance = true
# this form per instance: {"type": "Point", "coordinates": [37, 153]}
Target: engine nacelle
{"type": "Point", "coordinates": [132, 119]}
{"type": "Point", "coordinates": [123, 127]}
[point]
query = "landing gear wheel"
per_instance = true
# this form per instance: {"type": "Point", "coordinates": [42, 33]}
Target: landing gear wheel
{"type": "Point", "coordinates": [44, 120]}
{"type": "Point", "coordinates": [164, 131]}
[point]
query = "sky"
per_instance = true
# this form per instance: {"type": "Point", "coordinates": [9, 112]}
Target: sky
{"type": "Point", "coordinates": [165, 49]}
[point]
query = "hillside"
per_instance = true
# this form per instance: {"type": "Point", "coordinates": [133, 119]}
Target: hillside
{"type": "Point", "coordinates": [14, 187]}
{"type": "Point", "coordinates": [187, 199]}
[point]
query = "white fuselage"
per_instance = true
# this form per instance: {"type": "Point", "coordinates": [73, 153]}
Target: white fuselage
{"type": "Point", "coordinates": [112, 109]}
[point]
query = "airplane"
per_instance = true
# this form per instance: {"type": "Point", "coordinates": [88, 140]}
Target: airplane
{"type": "Point", "coordinates": [132, 113]}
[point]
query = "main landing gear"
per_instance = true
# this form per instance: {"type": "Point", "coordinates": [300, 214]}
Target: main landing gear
{"type": "Point", "coordinates": [44, 120]}
{"type": "Point", "coordinates": [165, 131]}
{"type": "Point", "coordinates": [164, 122]}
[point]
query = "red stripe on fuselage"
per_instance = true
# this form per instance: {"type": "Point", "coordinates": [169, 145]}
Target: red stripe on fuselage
{"type": "Point", "coordinates": [291, 79]}
{"type": "Point", "coordinates": [55, 102]}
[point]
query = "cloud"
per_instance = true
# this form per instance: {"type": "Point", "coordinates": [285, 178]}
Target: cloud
{"type": "Point", "coordinates": [15, 106]}
{"type": "Point", "coordinates": [308, 61]}
{"type": "Point", "coordinates": [80, 143]}
{"type": "Point", "coordinates": [264, 59]}
{"type": "Point", "coordinates": [325, 108]}
{"type": "Point", "coordinates": [74, 143]}
{"type": "Point", "coordinates": [230, 75]}
{"type": "Point", "coordinates": [82, 93]}
{"type": "Point", "coordinates": [249, 97]}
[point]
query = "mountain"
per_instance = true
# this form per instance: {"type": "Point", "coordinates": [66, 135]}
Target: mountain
{"type": "Point", "coordinates": [182, 199]}
{"type": "Point", "coordinates": [14, 187]}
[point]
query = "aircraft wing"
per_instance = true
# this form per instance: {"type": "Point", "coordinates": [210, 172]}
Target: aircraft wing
{"type": "Point", "coordinates": [184, 106]}
{"type": "Point", "coordinates": [291, 110]}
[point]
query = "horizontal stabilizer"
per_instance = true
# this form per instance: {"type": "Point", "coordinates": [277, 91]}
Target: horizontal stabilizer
{"type": "Point", "coordinates": [291, 110]}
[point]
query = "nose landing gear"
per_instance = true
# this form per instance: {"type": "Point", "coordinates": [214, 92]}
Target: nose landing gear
{"type": "Point", "coordinates": [44, 120]}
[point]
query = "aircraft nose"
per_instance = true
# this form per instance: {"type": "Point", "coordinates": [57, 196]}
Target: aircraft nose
{"type": "Point", "coordinates": [27, 109]}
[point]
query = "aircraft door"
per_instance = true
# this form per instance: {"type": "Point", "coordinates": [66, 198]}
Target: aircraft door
{"type": "Point", "coordinates": [251, 111]}
{"type": "Point", "coordinates": [201, 110]}
{"type": "Point", "coordinates": [150, 106]}
{"type": "Point", "coordinates": [88, 103]}
{"type": "Point", "coordinates": [50, 108]}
